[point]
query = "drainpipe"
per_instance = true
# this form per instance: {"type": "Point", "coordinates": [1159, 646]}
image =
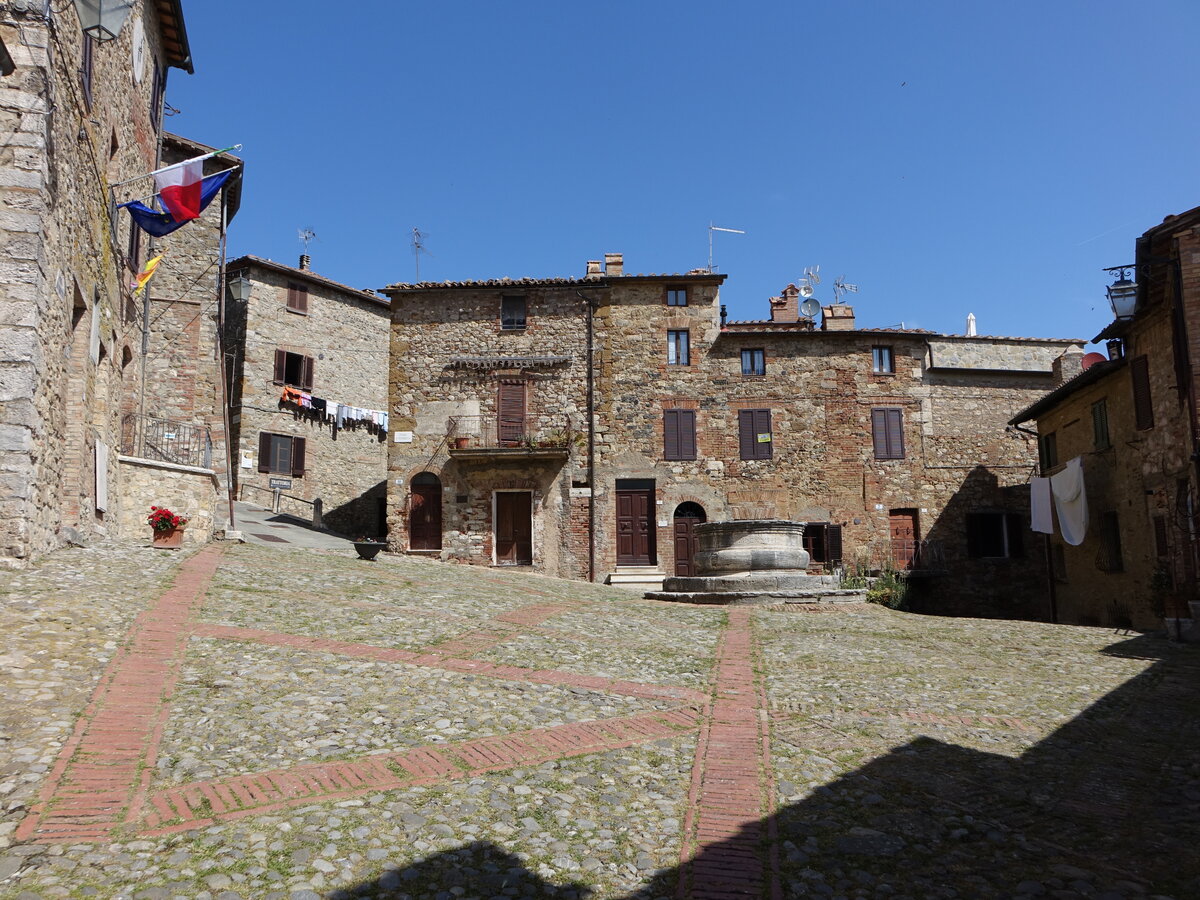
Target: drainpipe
{"type": "Point", "coordinates": [591, 424]}
{"type": "Point", "coordinates": [1051, 589]}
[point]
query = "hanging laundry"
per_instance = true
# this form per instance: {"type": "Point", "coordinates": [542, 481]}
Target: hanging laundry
{"type": "Point", "coordinates": [1039, 506]}
{"type": "Point", "coordinates": [318, 403]}
{"type": "Point", "coordinates": [1070, 502]}
{"type": "Point", "coordinates": [292, 395]}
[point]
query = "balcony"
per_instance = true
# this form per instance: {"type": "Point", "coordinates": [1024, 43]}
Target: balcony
{"type": "Point", "coordinates": [485, 438]}
{"type": "Point", "coordinates": [164, 440]}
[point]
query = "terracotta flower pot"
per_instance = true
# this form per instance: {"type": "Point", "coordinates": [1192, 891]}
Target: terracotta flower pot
{"type": "Point", "coordinates": [168, 539]}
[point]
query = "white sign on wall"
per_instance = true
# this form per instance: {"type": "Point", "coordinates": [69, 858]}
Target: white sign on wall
{"type": "Point", "coordinates": [402, 437]}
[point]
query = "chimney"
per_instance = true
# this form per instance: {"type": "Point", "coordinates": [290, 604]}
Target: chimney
{"type": "Point", "coordinates": [593, 268]}
{"type": "Point", "coordinates": [305, 260]}
{"type": "Point", "coordinates": [1068, 365]}
{"type": "Point", "coordinates": [786, 307]}
{"type": "Point", "coordinates": [970, 324]}
{"type": "Point", "coordinates": [614, 264]}
{"type": "Point", "coordinates": [837, 317]}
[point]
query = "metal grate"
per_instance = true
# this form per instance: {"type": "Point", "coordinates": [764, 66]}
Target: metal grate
{"type": "Point", "coordinates": [165, 440]}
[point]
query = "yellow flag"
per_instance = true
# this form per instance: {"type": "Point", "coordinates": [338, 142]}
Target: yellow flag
{"type": "Point", "coordinates": [144, 275]}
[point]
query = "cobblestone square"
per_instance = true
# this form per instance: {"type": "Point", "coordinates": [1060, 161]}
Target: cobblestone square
{"type": "Point", "coordinates": [253, 722]}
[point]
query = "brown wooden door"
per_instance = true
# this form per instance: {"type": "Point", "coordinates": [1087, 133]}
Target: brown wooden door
{"type": "Point", "coordinates": [514, 528]}
{"type": "Point", "coordinates": [635, 528]}
{"type": "Point", "coordinates": [510, 407]}
{"type": "Point", "coordinates": [687, 517]}
{"type": "Point", "coordinates": [425, 514]}
{"type": "Point", "coordinates": [904, 537]}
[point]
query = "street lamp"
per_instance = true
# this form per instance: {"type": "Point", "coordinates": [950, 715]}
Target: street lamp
{"type": "Point", "coordinates": [102, 19]}
{"type": "Point", "coordinates": [1122, 293]}
{"type": "Point", "coordinates": [239, 287]}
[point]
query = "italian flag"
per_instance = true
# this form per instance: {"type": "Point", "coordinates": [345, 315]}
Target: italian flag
{"type": "Point", "coordinates": [179, 188]}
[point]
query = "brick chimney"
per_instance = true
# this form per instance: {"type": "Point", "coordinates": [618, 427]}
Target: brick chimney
{"type": "Point", "coordinates": [593, 268]}
{"type": "Point", "coordinates": [837, 317]}
{"type": "Point", "coordinates": [786, 307]}
{"type": "Point", "coordinates": [305, 262]}
{"type": "Point", "coordinates": [614, 264]}
{"type": "Point", "coordinates": [1068, 365]}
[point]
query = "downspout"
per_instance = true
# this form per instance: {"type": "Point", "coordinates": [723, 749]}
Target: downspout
{"type": "Point", "coordinates": [221, 371]}
{"type": "Point", "coordinates": [1051, 590]}
{"type": "Point", "coordinates": [591, 423]}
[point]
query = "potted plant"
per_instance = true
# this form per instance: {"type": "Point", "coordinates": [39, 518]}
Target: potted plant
{"type": "Point", "coordinates": [368, 548]}
{"type": "Point", "coordinates": [167, 527]}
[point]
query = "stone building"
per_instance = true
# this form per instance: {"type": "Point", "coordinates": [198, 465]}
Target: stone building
{"type": "Point", "coordinates": [891, 442]}
{"type": "Point", "coordinates": [80, 115]}
{"type": "Point", "coordinates": [1133, 420]}
{"type": "Point", "coordinates": [308, 394]}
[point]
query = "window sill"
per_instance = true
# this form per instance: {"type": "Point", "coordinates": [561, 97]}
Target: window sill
{"type": "Point", "coordinates": [299, 312]}
{"type": "Point", "coordinates": [513, 327]}
{"type": "Point", "coordinates": [884, 374]}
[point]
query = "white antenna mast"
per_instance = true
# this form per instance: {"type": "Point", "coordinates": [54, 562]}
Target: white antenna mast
{"type": "Point", "coordinates": [711, 229]}
{"type": "Point", "coordinates": [840, 287]}
{"type": "Point", "coordinates": [418, 247]}
{"type": "Point", "coordinates": [307, 235]}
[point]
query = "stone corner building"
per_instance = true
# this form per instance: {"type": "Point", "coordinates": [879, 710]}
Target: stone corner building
{"type": "Point", "coordinates": [584, 426]}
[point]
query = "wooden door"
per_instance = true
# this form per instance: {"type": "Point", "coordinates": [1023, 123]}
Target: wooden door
{"type": "Point", "coordinates": [904, 537]}
{"type": "Point", "coordinates": [514, 528]}
{"type": "Point", "coordinates": [510, 412]}
{"type": "Point", "coordinates": [425, 513]}
{"type": "Point", "coordinates": [687, 517]}
{"type": "Point", "coordinates": [635, 527]}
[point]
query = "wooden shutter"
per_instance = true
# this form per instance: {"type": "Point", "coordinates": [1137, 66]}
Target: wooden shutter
{"type": "Point", "coordinates": [762, 425]}
{"type": "Point", "coordinates": [746, 433]}
{"type": "Point", "coordinates": [511, 411]}
{"type": "Point", "coordinates": [895, 433]}
{"type": "Point", "coordinates": [280, 366]}
{"type": "Point", "coordinates": [297, 298]}
{"type": "Point", "coordinates": [687, 433]}
{"type": "Point", "coordinates": [298, 456]}
{"type": "Point", "coordinates": [306, 379]}
{"type": "Point", "coordinates": [833, 544]}
{"type": "Point", "coordinates": [1143, 408]}
{"type": "Point", "coordinates": [264, 451]}
{"type": "Point", "coordinates": [887, 433]}
{"type": "Point", "coordinates": [671, 434]}
{"type": "Point", "coordinates": [879, 432]}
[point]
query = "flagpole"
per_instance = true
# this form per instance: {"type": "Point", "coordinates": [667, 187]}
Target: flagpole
{"type": "Point", "coordinates": [200, 158]}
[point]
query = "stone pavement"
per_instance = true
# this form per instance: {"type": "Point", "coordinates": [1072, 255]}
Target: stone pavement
{"type": "Point", "coordinates": [258, 525]}
{"type": "Point", "coordinates": [250, 721]}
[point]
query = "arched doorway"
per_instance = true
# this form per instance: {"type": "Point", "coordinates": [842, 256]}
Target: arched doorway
{"type": "Point", "coordinates": [425, 513]}
{"type": "Point", "coordinates": [687, 517]}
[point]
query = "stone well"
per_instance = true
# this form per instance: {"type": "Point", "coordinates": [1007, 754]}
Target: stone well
{"type": "Point", "coordinates": [752, 561]}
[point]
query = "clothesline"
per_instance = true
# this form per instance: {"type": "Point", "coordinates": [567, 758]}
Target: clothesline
{"type": "Point", "coordinates": [340, 414]}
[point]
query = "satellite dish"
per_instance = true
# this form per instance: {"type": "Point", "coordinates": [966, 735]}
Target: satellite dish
{"type": "Point", "coordinates": [1092, 358]}
{"type": "Point", "coordinates": [810, 307]}
{"type": "Point", "coordinates": [806, 290]}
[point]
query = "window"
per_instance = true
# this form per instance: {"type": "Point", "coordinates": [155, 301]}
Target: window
{"type": "Point", "coordinates": [754, 433]}
{"type": "Point", "coordinates": [512, 313]}
{"type": "Point", "coordinates": [1100, 425]}
{"type": "Point", "coordinates": [86, 67]}
{"type": "Point", "coordinates": [754, 362]}
{"type": "Point", "coordinates": [156, 97]}
{"type": "Point", "coordinates": [887, 433]}
{"type": "Point", "coordinates": [677, 297]}
{"type": "Point", "coordinates": [1143, 409]}
{"type": "Point", "coordinates": [297, 298]}
{"type": "Point", "coordinates": [881, 360]}
{"type": "Point", "coordinates": [677, 348]}
{"type": "Point", "coordinates": [994, 535]}
{"type": "Point", "coordinates": [1109, 558]}
{"type": "Point", "coordinates": [294, 369]}
{"type": "Point", "coordinates": [1048, 449]}
{"type": "Point", "coordinates": [679, 434]}
{"type": "Point", "coordinates": [280, 454]}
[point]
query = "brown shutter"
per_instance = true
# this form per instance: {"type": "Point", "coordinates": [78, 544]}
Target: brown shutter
{"type": "Point", "coordinates": [895, 433]}
{"type": "Point", "coordinates": [762, 425]}
{"type": "Point", "coordinates": [833, 544]}
{"type": "Point", "coordinates": [746, 433]}
{"type": "Point", "coordinates": [298, 456]}
{"type": "Point", "coordinates": [280, 366]}
{"type": "Point", "coordinates": [671, 434]}
{"type": "Point", "coordinates": [511, 412]}
{"type": "Point", "coordinates": [306, 380]}
{"type": "Point", "coordinates": [687, 433]}
{"type": "Point", "coordinates": [879, 432]}
{"type": "Point", "coordinates": [1143, 408]}
{"type": "Point", "coordinates": [297, 298]}
{"type": "Point", "coordinates": [264, 451]}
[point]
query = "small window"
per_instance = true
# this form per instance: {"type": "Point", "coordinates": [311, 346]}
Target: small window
{"type": "Point", "coordinates": [294, 369]}
{"type": "Point", "coordinates": [754, 433]}
{"type": "Point", "coordinates": [297, 298]}
{"type": "Point", "coordinates": [1048, 447]}
{"type": "Point", "coordinates": [881, 360]}
{"type": "Point", "coordinates": [156, 97]}
{"type": "Point", "coordinates": [754, 362]}
{"type": "Point", "coordinates": [1100, 425]}
{"type": "Point", "coordinates": [512, 313]}
{"type": "Point", "coordinates": [281, 454]}
{"type": "Point", "coordinates": [86, 68]}
{"type": "Point", "coordinates": [994, 535]}
{"type": "Point", "coordinates": [677, 297]}
{"type": "Point", "coordinates": [679, 434]}
{"type": "Point", "coordinates": [887, 433]}
{"type": "Point", "coordinates": [677, 348]}
{"type": "Point", "coordinates": [1109, 557]}
{"type": "Point", "coordinates": [1143, 408]}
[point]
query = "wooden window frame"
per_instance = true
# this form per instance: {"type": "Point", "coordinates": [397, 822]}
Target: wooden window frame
{"type": "Point", "coordinates": [679, 434]}
{"type": "Point", "coordinates": [1008, 537]}
{"type": "Point", "coordinates": [681, 350]}
{"type": "Point", "coordinates": [513, 322]}
{"type": "Point", "coordinates": [883, 360]}
{"type": "Point", "coordinates": [268, 441]}
{"type": "Point", "coordinates": [749, 359]}
{"type": "Point", "coordinates": [1101, 437]}
{"type": "Point", "coordinates": [157, 95]}
{"type": "Point", "coordinates": [1048, 450]}
{"type": "Point", "coordinates": [672, 296]}
{"type": "Point", "coordinates": [307, 366]}
{"type": "Point", "coordinates": [752, 423]}
{"type": "Point", "coordinates": [297, 298]}
{"type": "Point", "coordinates": [887, 442]}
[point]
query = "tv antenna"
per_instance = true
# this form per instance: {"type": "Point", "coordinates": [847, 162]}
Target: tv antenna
{"type": "Point", "coordinates": [307, 235]}
{"type": "Point", "coordinates": [418, 247]}
{"type": "Point", "coordinates": [840, 288]}
{"type": "Point", "coordinates": [711, 229]}
{"type": "Point", "coordinates": [808, 281]}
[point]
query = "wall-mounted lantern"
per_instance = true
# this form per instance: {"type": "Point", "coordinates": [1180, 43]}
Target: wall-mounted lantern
{"type": "Point", "coordinates": [1122, 293]}
{"type": "Point", "coordinates": [102, 20]}
{"type": "Point", "coordinates": [239, 287]}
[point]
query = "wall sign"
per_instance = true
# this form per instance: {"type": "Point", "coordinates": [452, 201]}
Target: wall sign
{"type": "Point", "coordinates": [282, 483]}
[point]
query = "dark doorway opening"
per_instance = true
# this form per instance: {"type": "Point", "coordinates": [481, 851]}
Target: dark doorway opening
{"type": "Point", "coordinates": [425, 513]}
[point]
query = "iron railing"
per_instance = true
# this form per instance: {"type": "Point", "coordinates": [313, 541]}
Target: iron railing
{"type": "Point", "coordinates": [528, 433]}
{"type": "Point", "coordinates": [914, 557]}
{"type": "Point", "coordinates": [165, 440]}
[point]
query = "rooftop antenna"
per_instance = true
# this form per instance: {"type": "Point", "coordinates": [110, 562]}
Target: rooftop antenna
{"type": "Point", "coordinates": [307, 235]}
{"type": "Point", "coordinates": [711, 229]}
{"type": "Point", "coordinates": [418, 247]}
{"type": "Point", "coordinates": [840, 288]}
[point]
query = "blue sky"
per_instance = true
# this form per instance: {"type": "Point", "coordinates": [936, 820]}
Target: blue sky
{"type": "Point", "coordinates": [946, 157]}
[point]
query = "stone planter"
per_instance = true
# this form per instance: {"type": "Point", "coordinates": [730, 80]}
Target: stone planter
{"type": "Point", "coordinates": [368, 550]}
{"type": "Point", "coordinates": [168, 539]}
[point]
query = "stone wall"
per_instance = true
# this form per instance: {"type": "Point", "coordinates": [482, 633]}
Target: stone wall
{"type": "Point", "coordinates": [185, 490]}
{"type": "Point", "coordinates": [345, 333]}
